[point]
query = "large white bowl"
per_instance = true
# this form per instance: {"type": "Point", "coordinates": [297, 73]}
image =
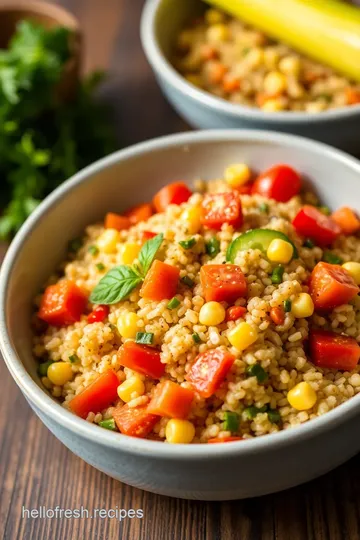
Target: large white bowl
{"type": "Point", "coordinates": [213, 472]}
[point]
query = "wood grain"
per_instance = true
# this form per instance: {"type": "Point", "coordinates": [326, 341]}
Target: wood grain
{"type": "Point", "coordinates": [36, 469]}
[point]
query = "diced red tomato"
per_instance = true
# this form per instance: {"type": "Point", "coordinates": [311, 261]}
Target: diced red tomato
{"type": "Point", "coordinates": [352, 96]}
{"type": "Point", "coordinates": [333, 351]}
{"type": "Point", "coordinates": [245, 189]}
{"type": "Point", "coordinates": [277, 315]}
{"type": "Point", "coordinates": [223, 282]}
{"type": "Point", "coordinates": [209, 370]}
{"type": "Point", "coordinates": [280, 182]}
{"type": "Point", "coordinates": [331, 286]}
{"type": "Point", "coordinates": [142, 212]}
{"type": "Point", "coordinates": [347, 220]}
{"type": "Point", "coordinates": [99, 395]}
{"type": "Point", "coordinates": [234, 313]}
{"type": "Point", "coordinates": [160, 282]}
{"type": "Point", "coordinates": [141, 358]}
{"type": "Point", "coordinates": [171, 400]}
{"type": "Point", "coordinates": [134, 421]}
{"type": "Point", "coordinates": [224, 439]}
{"type": "Point", "coordinates": [62, 304]}
{"type": "Point", "coordinates": [176, 193]}
{"type": "Point", "coordinates": [220, 208]}
{"type": "Point", "coordinates": [312, 223]}
{"type": "Point", "coordinates": [98, 314]}
{"type": "Point", "coordinates": [146, 235]}
{"type": "Point", "coordinates": [115, 221]}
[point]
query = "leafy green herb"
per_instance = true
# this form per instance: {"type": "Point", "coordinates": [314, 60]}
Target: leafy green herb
{"type": "Point", "coordinates": [287, 305]}
{"type": "Point", "coordinates": [196, 338]}
{"type": "Point", "coordinates": [186, 280]}
{"type": "Point", "coordinates": [43, 368]}
{"type": "Point", "coordinates": [309, 243]}
{"type": "Point", "coordinates": [187, 244]}
{"type": "Point", "coordinates": [257, 371]}
{"type": "Point", "coordinates": [116, 285]}
{"type": "Point", "coordinates": [75, 244]}
{"type": "Point", "coordinates": [264, 207]}
{"type": "Point", "coordinates": [331, 258]}
{"type": "Point", "coordinates": [213, 247]}
{"type": "Point", "coordinates": [108, 424]}
{"type": "Point", "coordinates": [274, 416]}
{"type": "Point", "coordinates": [100, 267]}
{"type": "Point", "coordinates": [148, 253]}
{"type": "Point", "coordinates": [325, 210]}
{"type": "Point", "coordinates": [277, 275]}
{"type": "Point", "coordinates": [93, 250]}
{"type": "Point", "coordinates": [231, 421]}
{"type": "Point", "coordinates": [174, 303]}
{"type": "Point", "coordinates": [74, 359]}
{"type": "Point", "coordinates": [145, 338]}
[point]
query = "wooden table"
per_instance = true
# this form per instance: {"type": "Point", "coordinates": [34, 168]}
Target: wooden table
{"type": "Point", "coordinates": [36, 469]}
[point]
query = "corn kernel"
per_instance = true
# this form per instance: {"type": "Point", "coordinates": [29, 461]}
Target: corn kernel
{"type": "Point", "coordinates": [214, 16]}
{"type": "Point", "coordinates": [131, 389]}
{"type": "Point", "coordinates": [238, 174]}
{"type": "Point", "coordinates": [179, 431]}
{"type": "Point", "coordinates": [280, 251]}
{"type": "Point", "coordinates": [127, 325]}
{"type": "Point", "coordinates": [273, 105]}
{"type": "Point", "coordinates": [192, 217]}
{"type": "Point", "coordinates": [302, 397]}
{"type": "Point", "coordinates": [108, 240]}
{"type": "Point", "coordinates": [129, 252]}
{"type": "Point", "coordinates": [271, 58]}
{"type": "Point", "coordinates": [274, 83]}
{"type": "Point", "coordinates": [46, 382]}
{"type": "Point", "coordinates": [211, 314]}
{"type": "Point", "coordinates": [290, 65]}
{"type": "Point", "coordinates": [354, 270]}
{"type": "Point", "coordinates": [194, 79]}
{"type": "Point", "coordinates": [302, 306]}
{"type": "Point", "coordinates": [59, 373]}
{"type": "Point", "coordinates": [242, 336]}
{"type": "Point", "coordinates": [217, 33]}
{"type": "Point", "coordinates": [255, 57]}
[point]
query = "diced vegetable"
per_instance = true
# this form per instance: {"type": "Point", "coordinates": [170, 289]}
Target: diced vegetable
{"type": "Point", "coordinates": [264, 208]}
{"type": "Point", "coordinates": [255, 370]}
{"type": "Point", "coordinates": [302, 306]}
{"type": "Point", "coordinates": [331, 286]}
{"type": "Point", "coordinates": [277, 315]}
{"type": "Point", "coordinates": [139, 213]}
{"type": "Point", "coordinates": [280, 182]}
{"type": "Point", "coordinates": [287, 305]}
{"type": "Point", "coordinates": [146, 235]}
{"type": "Point", "coordinates": [134, 421]}
{"type": "Point", "coordinates": [243, 336]}
{"type": "Point", "coordinates": [186, 280]}
{"type": "Point", "coordinates": [212, 314]}
{"type": "Point", "coordinates": [213, 247]}
{"type": "Point", "coordinates": [224, 439]}
{"type": "Point", "coordinates": [312, 223]}
{"type": "Point", "coordinates": [131, 388]}
{"type": "Point", "coordinates": [93, 250]}
{"type": "Point", "coordinates": [176, 193]}
{"type": "Point", "coordinates": [352, 96]}
{"type": "Point", "coordinates": [325, 210]}
{"type": "Point", "coordinates": [256, 239]}
{"type": "Point", "coordinates": [100, 267]}
{"type": "Point", "coordinates": [333, 351]}
{"type": "Point", "coordinates": [187, 244]}
{"type": "Point", "coordinates": [280, 251]}
{"type": "Point", "coordinates": [174, 303]}
{"type": "Point", "coordinates": [223, 282]}
{"type": "Point", "coordinates": [308, 243]}
{"type": "Point", "coordinates": [277, 274]}
{"type": "Point", "coordinates": [141, 358]}
{"type": "Point", "coordinates": [234, 313]}
{"type": "Point", "coordinates": [171, 400]}
{"type": "Point", "coordinates": [127, 324]}
{"type": "Point", "coordinates": [196, 338]}
{"type": "Point", "coordinates": [251, 412]}
{"type": "Point", "coordinates": [62, 304]}
{"type": "Point", "coordinates": [98, 314]}
{"type": "Point", "coordinates": [144, 338]}
{"type": "Point", "coordinates": [238, 174]}
{"type": "Point", "coordinates": [108, 424]}
{"type": "Point", "coordinates": [117, 222]}
{"type": "Point", "coordinates": [220, 208]}
{"type": "Point", "coordinates": [209, 370]}
{"type": "Point", "coordinates": [160, 282]}
{"type": "Point", "coordinates": [302, 396]}
{"type": "Point", "coordinates": [347, 220]}
{"type": "Point", "coordinates": [74, 359]}
{"type": "Point", "coordinates": [99, 395]}
{"type": "Point", "coordinates": [274, 416]}
{"type": "Point", "coordinates": [43, 368]}
{"type": "Point", "coordinates": [231, 421]}
{"type": "Point", "coordinates": [178, 431]}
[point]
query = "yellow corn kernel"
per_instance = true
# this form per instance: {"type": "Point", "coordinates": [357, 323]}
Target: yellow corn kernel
{"type": "Point", "coordinates": [302, 397]}
{"type": "Point", "coordinates": [194, 79]}
{"type": "Point", "coordinates": [60, 373]}
{"type": "Point", "coordinates": [179, 431]}
{"type": "Point", "coordinates": [46, 382]}
{"type": "Point", "coordinates": [217, 33]}
{"type": "Point", "coordinates": [129, 252]}
{"type": "Point", "coordinates": [238, 174]}
{"type": "Point", "coordinates": [211, 314]}
{"type": "Point", "coordinates": [214, 16]}
{"type": "Point", "coordinates": [192, 217]}
{"type": "Point", "coordinates": [274, 83]}
{"type": "Point", "coordinates": [354, 270]}
{"type": "Point", "coordinates": [273, 105]}
{"type": "Point", "coordinates": [280, 251]}
{"type": "Point", "coordinates": [290, 65]}
{"type": "Point", "coordinates": [302, 306]}
{"type": "Point", "coordinates": [127, 325]}
{"type": "Point", "coordinates": [271, 58]}
{"type": "Point", "coordinates": [108, 240]}
{"type": "Point", "coordinates": [131, 389]}
{"type": "Point", "coordinates": [242, 336]}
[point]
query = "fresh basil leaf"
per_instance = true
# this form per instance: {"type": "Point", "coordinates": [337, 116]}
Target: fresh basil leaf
{"type": "Point", "coordinates": [116, 285]}
{"type": "Point", "coordinates": [148, 252]}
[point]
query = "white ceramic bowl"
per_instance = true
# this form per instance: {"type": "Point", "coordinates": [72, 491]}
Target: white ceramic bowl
{"type": "Point", "coordinates": [161, 22]}
{"type": "Point", "coordinates": [213, 472]}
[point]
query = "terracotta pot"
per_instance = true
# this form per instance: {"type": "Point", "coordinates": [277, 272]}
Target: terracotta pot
{"type": "Point", "coordinates": [49, 15]}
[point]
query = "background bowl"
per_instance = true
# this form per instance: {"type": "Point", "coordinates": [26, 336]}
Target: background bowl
{"type": "Point", "coordinates": [161, 22]}
{"type": "Point", "coordinates": [216, 472]}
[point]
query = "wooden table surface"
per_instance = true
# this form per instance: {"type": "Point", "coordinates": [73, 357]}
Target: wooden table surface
{"type": "Point", "coordinates": [37, 470]}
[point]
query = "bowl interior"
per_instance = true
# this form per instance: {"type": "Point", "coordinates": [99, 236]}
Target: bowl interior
{"type": "Point", "coordinates": [133, 176]}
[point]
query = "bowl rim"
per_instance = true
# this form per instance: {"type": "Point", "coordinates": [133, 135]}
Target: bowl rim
{"type": "Point", "coordinates": [77, 426]}
{"type": "Point", "coordinates": [164, 69]}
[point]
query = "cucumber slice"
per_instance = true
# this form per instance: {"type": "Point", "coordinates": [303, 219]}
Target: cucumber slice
{"type": "Point", "coordinates": [256, 239]}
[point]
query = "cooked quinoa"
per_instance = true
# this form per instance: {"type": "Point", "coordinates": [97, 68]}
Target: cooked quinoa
{"type": "Point", "coordinates": [238, 63]}
{"type": "Point", "coordinates": [256, 387]}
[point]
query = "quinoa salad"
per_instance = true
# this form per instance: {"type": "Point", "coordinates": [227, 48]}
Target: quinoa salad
{"type": "Point", "coordinates": [211, 315]}
{"type": "Point", "coordinates": [236, 62]}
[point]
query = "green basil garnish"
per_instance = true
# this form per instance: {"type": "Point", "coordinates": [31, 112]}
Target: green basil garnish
{"type": "Point", "coordinates": [148, 252]}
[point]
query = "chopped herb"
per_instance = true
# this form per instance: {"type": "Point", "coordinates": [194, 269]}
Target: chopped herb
{"type": "Point", "coordinates": [174, 303]}
{"type": "Point", "coordinates": [94, 250]}
{"type": "Point", "coordinates": [43, 368]}
{"type": "Point", "coordinates": [277, 275]}
{"type": "Point", "coordinates": [331, 258]}
{"type": "Point", "coordinates": [75, 244]}
{"type": "Point", "coordinates": [187, 281]}
{"type": "Point", "coordinates": [257, 371]}
{"type": "Point", "coordinates": [325, 210]}
{"type": "Point", "coordinates": [196, 338]}
{"type": "Point", "coordinates": [144, 338]}
{"type": "Point", "coordinates": [264, 208]}
{"type": "Point", "coordinates": [100, 267]}
{"type": "Point", "coordinates": [251, 412]}
{"type": "Point", "coordinates": [231, 421]}
{"type": "Point", "coordinates": [108, 424]}
{"type": "Point", "coordinates": [213, 247]}
{"type": "Point", "coordinates": [74, 359]}
{"type": "Point", "coordinates": [274, 416]}
{"type": "Point", "coordinates": [187, 244]}
{"type": "Point", "coordinates": [309, 243]}
{"type": "Point", "coordinates": [287, 306]}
